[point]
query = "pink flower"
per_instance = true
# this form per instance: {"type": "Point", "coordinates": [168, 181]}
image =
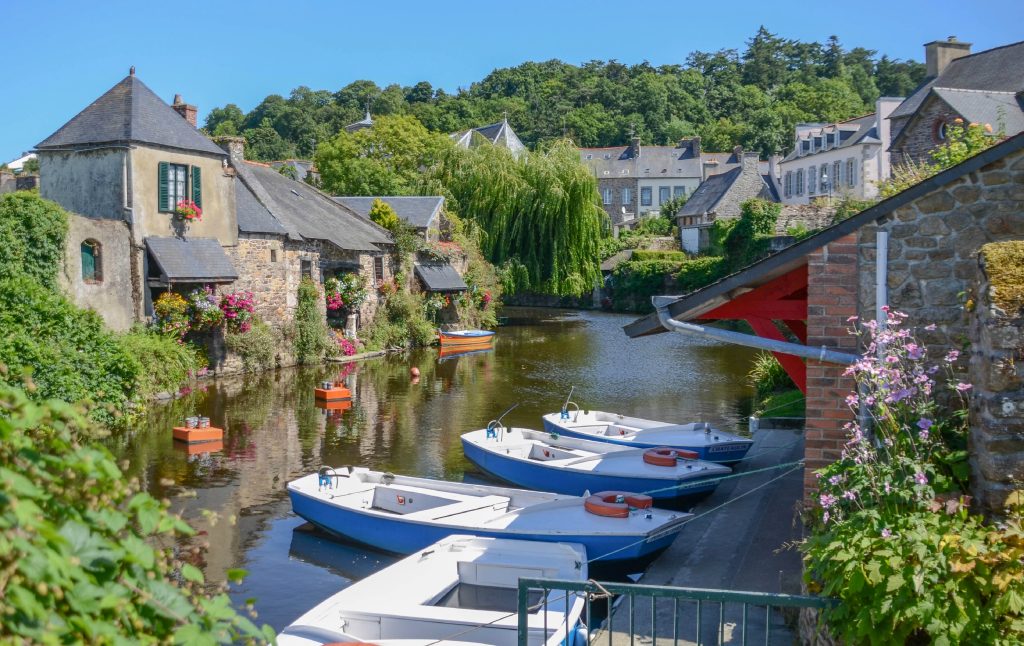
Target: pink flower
{"type": "Point", "coordinates": [827, 500]}
{"type": "Point", "coordinates": [914, 351]}
{"type": "Point", "coordinates": [930, 327]}
{"type": "Point", "coordinates": [962, 387]}
{"type": "Point", "coordinates": [920, 478]}
{"type": "Point", "coordinates": [952, 356]}
{"type": "Point", "coordinates": [886, 533]}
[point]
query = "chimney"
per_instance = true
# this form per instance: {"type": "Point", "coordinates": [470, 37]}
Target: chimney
{"type": "Point", "coordinates": [693, 143]}
{"type": "Point", "coordinates": [634, 147]}
{"type": "Point", "coordinates": [749, 160]}
{"type": "Point", "coordinates": [187, 112]}
{"type": "Point", "coordinates": [940, 53]}
{"type": "Point", "coordinates": [773, 166]}
{"type": "Point", "coordinates": [233, 146]}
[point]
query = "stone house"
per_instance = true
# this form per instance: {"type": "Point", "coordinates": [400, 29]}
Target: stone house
{"type": "Point", "coordinates": [983, 88]}
{"type": "Point", "coordinates": [719, 198]}
{"type": "Point", "coordinates": [845, 159]}
{"type": "Point", "coordinates": [424, 214]}
{"type": "Point", "coordinates": [935, 235]}
{"type": "Point", "coordinates": [122, 165]}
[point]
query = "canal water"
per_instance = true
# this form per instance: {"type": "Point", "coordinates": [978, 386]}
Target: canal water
{"type": "Point", "coordinates": [273, 432]}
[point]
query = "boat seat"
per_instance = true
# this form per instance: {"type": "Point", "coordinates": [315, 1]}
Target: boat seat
{"type": "Point", "coordinates": [458, 510]}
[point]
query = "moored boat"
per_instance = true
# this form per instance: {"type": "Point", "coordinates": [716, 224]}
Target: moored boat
{"type": "Point", "coordinates": [460, 588]}
{"type": "Point", "coordinates": [708, 443]}
{"type": "Point", "coordinates": [465, 338]}
{"type": "Point", "coordinates": [570, 465]}
{"type": "Point", "coordinates": [403, 514]}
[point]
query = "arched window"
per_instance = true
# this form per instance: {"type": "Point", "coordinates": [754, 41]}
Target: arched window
{"type": "Point", "coordinates": [92, 262]}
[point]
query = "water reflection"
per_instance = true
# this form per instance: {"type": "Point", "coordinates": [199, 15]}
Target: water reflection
{"type": "Point", "coordinates": [274, 432]}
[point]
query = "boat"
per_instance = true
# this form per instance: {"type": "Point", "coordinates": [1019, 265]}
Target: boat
{"type": "Point", "coordinates": [569, 465]}
{"type": "Point", "coordinates": [708, 443]}
{"type": "Point", "coordinates": [466, 338]}
{"type": "Point", "coordinates": [460, 588]}
{"type": "Point", "coordinates": [403, 514]}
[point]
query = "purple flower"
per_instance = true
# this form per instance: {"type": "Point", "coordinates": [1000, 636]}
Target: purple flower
{"type": "Point", "coordinates": [914, 351]}
{"type": "Point", "coordinates": [892, 359]}
{"type": "Point", "coordinates": [886, 533]}
{"type": "Point", "coordinates": [930, 327]}
{"type": "Point", "coordinates": [836, 479]}
{"type": "Point", "coordinates": [827, 500]}
{"type": "Point", "coordinates": [952, 356]}
{"type": "Point", "coordinates": [920, 478]}
{"type": "Point", "coordinates": [962, 387]}
{"type": "Point", "coordinates": [924, 435]}
{"type": "Point", "coordinates": [924, 423]}
{"type": "Point", "coordinates": [850, 494]}
{"type": "Point", "coordinates": [825, 517]}
{"type": "Point", "coordinates": [851, 400]}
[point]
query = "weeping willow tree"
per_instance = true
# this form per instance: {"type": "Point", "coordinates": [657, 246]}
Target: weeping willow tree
{"type": "Point", "coordinates": [539, 215]}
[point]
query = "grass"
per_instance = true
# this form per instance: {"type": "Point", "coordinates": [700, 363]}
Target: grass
{"type": "Point", "coordinates": [789, 403]}
{"type": "Point", "coordinates": [1004, 264]}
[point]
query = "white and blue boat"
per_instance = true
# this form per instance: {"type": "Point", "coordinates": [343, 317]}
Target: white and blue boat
{"type": "Point", "coordinates": [570, 465]}
{"type": "Point", "coordinates": [404, 514]}
{"type": "Point", "coordinates": [461, 588]}
{"type": "Point", "coordinates": [708, 443]}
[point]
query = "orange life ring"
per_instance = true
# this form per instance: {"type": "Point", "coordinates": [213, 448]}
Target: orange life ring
{"type": "Point", "coordinates": [616, 504]}
{"type": "Point", "coordinates": [665, 457]}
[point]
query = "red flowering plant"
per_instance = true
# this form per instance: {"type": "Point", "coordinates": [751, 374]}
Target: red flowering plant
{"type": "Point", "coordinates": [347, 347]}
{"type": "Point", "coordinates": [188, 210]}
{"type": "Point", "coordinates": [238, 309]}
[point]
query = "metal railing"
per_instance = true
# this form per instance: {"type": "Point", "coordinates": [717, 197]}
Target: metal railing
{"type": "Point", "coordinates": [691, 615]}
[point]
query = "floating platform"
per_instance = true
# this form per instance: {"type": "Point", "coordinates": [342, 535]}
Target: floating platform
{"type": "Point", "coordinates": [336, 394]}
{"type": "Point", "coordinates": [198, 448]}
{"type": "Point", "coordinates": [335, 405]}
{"type": "Point", "coordinates": [198, 435]}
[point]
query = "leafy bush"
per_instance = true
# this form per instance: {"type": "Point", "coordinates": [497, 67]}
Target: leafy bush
{"type": "Point", "coordinates": [401, 322]}
{"type": "Point", "coordinates": [699, 272]}
{"type": "Point", "coordinates": [790, 403]}
{"type": "Point", "coordinates": [892, 537]}
{"type": "Point", "coordinates": [69, 352]}
{"type": "Point", "coordinates": [646, 254]}
{"type": "Point", "coordinates": [962, 143]}
{"type": "Point", "coordinates": [385, 216]}
{"type": "Point", "coordinates": [655, 225]}
{"type": "Point", "coordinates": [257, 348]}
{"type": "Point", "coordinates": [78, 545]}
{"type": "Point", "coordinates": [312, 340]}
{"type": "Point", "coordinates": [768, 376]}
{"type": "Point", "coordinates": [747, 240]}
{"type": "Point", "coordinates": [635, 282]}
{"type": "Point", "coordinates": [32, 237]}
{"type": "Point", "coordinates": [166, 363]}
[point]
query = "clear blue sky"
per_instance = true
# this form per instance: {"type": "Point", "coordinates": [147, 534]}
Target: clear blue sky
{"type": "Point", "coordinates": [60, 55]}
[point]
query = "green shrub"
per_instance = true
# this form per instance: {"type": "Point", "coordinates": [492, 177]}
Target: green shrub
{"type": "Point", "coordinates": [699, 272]}
{"type": "Point", "coordinates": [790, 403]}
{"type": "Point", "coordinates": [68, 351]}
{"type": "Point", "coordinates": [654, 225]}
{"type": "Point", "coordinates": [768, 376]}
{"type": "Point", "coordinates": [646, 254]}
{"type": "Point", "coordinates": [399, 323]}
{"type": "Point", "coordinates": [312, 339]}
{"type": "Point", "coordinates": [32, 237]}
{"type": "Point", "coordinates": [257, 348]}
{"type": "Point", "coordinates": [80, 545]}
{"type": "Point", "coordinates": [635, 282]}
{"type": "Point", "coordinates": [166, 363]}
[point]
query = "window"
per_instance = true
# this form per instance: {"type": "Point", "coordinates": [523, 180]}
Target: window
{"type": "Point", "coordinates": [788, 183]}
{"type": "Point", "coordinates": [378, 270]}
{"type": "Point", "coordinates": [627, 196]}
{"type": "Point", "coordinates": [306, 269]}
{"type": "Point", "coordinates": [805, 146]}
{"type": "Point", "coordinates": [663, 194]}
{"type": "Point", "coordinates": [590, 156]}
{"type": "Point", "coordinates": [812, 180]}
{"type": "Point", "coordinates": [824, 178]}
{"type": "Point", "coordinates": [800, 182]}
{"type": "Point", "coordinates": [851, 173]}
{"type": "Point", "coordinates": [92, 262]}
{"type": "Point", "coordinates": [173, 185]}
{"type": "Point", "coordinates": [678, 191]}
{"type": "Point", "coordinates": [645, 196]}
{"type": "Point", "coordinates": [939, 131]}
{"type": "Point", "coordinates": [830, 140]}
{"type": "Point", "coordinates": [837, 169]}
{"type": "Point", "coordinates": [606, 196]}
{"type": "Point", "coordinates": [273, 255]}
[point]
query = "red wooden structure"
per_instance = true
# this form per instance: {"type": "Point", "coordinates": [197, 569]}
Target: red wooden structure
{"type": "Point", "coordinates": [782, 300]}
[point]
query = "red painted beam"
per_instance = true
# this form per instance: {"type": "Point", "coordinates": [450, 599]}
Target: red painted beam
{"type": "Point", "coordinates": [784, 309]}
{"type": "Point", "coordinates": [794, 366]}
{"type": "Point", "coordinates": [798, 327]}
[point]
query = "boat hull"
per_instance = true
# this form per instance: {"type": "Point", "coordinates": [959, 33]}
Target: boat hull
{"type": "Point", "coordinates": [712, 453]}
{"type": "Point", "coordinates": [401, 536]}
{"type": "Point", "coordinates": [478, 340]}
{"type": "Point", "coordinates": [539, 476]}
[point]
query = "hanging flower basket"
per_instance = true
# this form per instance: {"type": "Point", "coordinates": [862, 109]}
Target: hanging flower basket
{"type": "Point", "coordinates": [188, 210]}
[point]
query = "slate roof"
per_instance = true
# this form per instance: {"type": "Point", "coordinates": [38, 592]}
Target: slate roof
{"type": "Point", "coordinates": [418, 212]}
{"type": "Point", "coordinates": [440, 277]}
{"type": "Point", "coordinates": [367, 122]}
{"type": "Point", "coordinates": [653, 162]}
{"type": "Point", "coordinates": [191, 260]}
{"type": "Point", "coordinates": [1002, 110]}
{"type": "Point", "coordinates": [304, 212]}
{"type": "Point", "coordinates": [253, 217]}
{"type": "Point", "coordinates": [302, 167]}
{"type": "Point", "coordinates": [710, 193]}
{"type": "Point", "coordinates": [130, 112]}
{"type": "Point", "coordinates": [495, 133]}
{"type": "Point", "coordinates": [851, 132]}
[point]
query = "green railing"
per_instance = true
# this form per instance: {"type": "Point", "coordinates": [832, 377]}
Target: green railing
{"type": "Point", "coordinates": [693, 615]}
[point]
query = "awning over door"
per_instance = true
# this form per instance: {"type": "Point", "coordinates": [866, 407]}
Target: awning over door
{"type": "Point", "coordinates": [440, 277]}
{"type": "Point", "coordinates": [188, 260]}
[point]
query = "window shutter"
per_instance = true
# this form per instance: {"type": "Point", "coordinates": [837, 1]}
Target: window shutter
{"type": "Point", "coordinates": [197, 186]}
{"type": "Point", "coordinates": [164, 179]}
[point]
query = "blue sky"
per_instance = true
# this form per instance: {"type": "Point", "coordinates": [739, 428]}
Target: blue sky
{"type": "Point", "coordinates": [61, 55]}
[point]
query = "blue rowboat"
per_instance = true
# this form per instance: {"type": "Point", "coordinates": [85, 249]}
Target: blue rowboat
{"type": "Point", "coordinates": [708, 443]}
{"type": "Point", "coordinates": [403, 514]}
{"type": "Point", "coordinates": [569, 465]}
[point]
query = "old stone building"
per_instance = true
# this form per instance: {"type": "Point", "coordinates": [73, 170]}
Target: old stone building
{"type": "Point", "coordinates": [937, 235]}
{"type": "Point", "coordinates": [982, 88]}
{"type": "Point", "coordinates": [719, 198]}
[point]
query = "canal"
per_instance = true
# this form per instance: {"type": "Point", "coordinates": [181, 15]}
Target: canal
{"type": "Point", "coordinates": [274, 432]}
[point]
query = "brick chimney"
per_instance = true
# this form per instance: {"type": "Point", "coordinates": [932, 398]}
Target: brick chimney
{"type": "Point", "coordinates": [233, 146]}
{"type": "Point", "coordinates": [749, 161]}
{"type": "Point", "coordinates": [693, 143]}
{"type": "Point", "coordinates": [187, 112]}
{"type": "Point", "coordinates": [940, 53]}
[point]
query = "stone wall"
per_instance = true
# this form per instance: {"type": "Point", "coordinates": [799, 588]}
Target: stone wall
{"type": "Point", "coordinates": [919, 136]}
{"type": "Point", "coordinates": [831, 300]}
{"type": "Point", "coordinates": [997, 373]}
{"type": "Point", "coordinates": [616, 184]}
{"type": "Point", "coordinates": [113, 297]}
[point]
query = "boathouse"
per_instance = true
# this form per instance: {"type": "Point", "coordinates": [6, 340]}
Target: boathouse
{"type": "Point", "coordinates": [926, 252]}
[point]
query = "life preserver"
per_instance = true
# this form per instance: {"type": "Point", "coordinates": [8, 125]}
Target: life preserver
{"type": "Point", "coordinates": [616, 504]}
{"type": "Point", "coordinates": [665, 457]}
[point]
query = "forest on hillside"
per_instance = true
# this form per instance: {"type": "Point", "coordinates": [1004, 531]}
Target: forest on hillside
{"type": "Point", "coordinates": [729, 97]}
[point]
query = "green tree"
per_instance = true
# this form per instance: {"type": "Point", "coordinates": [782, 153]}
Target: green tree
{"type": "Point", "coordinates": [386, 159]}
{"type": "Point", "coordinates": [311, 335]}
{"type": "Point", "coordinates": [224, 121]}
{"type": "Point", "coordinates": [265, 144]}
{"type": "Point", "coordinates": [32, 236]}
{"type": "Point", "coordinates": [764, 63]}
{"type": "Point", "coordinates": [382, 213]}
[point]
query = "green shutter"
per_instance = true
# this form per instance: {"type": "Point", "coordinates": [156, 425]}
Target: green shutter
{"type": "Point", "coordinates": [163, 175]}
{"type": "Point", "coordinates": [197, 186]}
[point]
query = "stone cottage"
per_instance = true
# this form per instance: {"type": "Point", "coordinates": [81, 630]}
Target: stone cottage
{"type": "Point", "coordinates": [936, 236]}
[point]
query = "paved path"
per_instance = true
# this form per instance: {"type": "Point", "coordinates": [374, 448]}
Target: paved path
{"type": "Point", "coordinates": [738, 547]}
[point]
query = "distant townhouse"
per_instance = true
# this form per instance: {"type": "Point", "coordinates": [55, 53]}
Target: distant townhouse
{"type": "Point", "coordinates": [496, 134]}
{"type": "Point", "coordinates": [845, 159]}
{"type": "Point", "coordinates": [984, 88]}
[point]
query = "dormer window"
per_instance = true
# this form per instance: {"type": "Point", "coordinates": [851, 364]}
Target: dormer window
{"type": "Point", "coordinates": [805, 146]}
{"type": "Point", "coordinates": [830, 140]}
{"type": "Point", "coordinates": [590, 156]}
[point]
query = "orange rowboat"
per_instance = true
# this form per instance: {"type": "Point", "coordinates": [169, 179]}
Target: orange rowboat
{"type": "Point", "coordinates": [466, 338]}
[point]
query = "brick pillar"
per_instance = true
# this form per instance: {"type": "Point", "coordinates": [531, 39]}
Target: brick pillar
{"type": "Point", "coordinates": [831, 299]}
